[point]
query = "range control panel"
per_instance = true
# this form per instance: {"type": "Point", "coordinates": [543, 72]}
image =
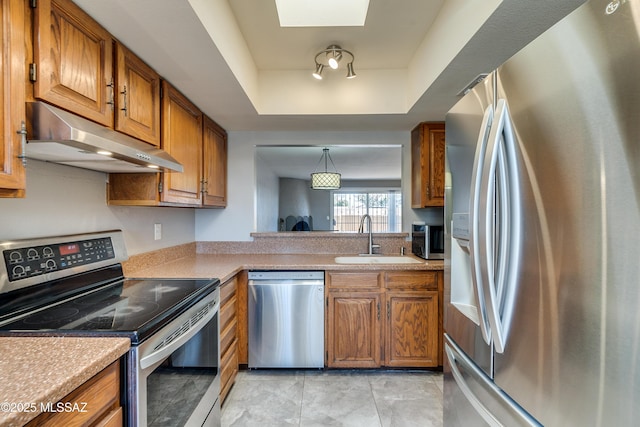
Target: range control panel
{"type": "Point", "coordinates": [34, 261]}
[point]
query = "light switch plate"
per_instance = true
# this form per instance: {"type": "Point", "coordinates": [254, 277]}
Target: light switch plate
{"type": "Point", "coordinates": [157, 231]}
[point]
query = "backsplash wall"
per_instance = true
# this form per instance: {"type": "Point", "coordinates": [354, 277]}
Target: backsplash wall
{"type": "Point", "coordinates": [66, 200]}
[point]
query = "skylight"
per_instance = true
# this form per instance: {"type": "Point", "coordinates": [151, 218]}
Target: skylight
{"type": "Point", "coordinates": [322, 13]}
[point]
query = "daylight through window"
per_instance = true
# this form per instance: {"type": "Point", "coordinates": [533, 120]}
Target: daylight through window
{"type": "Point", "coordinates": [384, 207]}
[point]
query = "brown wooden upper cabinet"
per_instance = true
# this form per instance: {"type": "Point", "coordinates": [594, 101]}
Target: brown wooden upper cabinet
{"type": "Point", "coordinates": [73, 58]}
{"type": "Point", "coordinates": [214, 185]}
{"type": "Point", "coordinates": [195, 141]}
{"type": "Point", "coordinates": [182, 138]}
{"type": "Point", "coordinates": [12, 111]}
{"type": "Point", "coordinates": [427, 165]}
{"type": "Point", "coordinates": [74, 69]}
{"type": "Point", "coordinates": [137, 100]}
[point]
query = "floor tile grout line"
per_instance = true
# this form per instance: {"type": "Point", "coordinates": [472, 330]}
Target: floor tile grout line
{"type": "Point", "coordinates": [375, 402]}
{"type": "Point", "coordinates": [304, 384]}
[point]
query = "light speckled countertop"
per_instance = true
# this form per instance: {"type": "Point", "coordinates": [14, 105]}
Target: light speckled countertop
{"type": "Point", "coordinates": [45, 369]}
{"type": "Point", "coordinates": [225, 266]}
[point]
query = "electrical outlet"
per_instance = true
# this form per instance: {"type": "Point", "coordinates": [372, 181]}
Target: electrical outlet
{"type": "Point", "coordinates": [157, 231]}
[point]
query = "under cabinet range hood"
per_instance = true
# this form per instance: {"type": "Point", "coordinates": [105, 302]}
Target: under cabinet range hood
{"type": "Point", "coordinates": [57, 136]}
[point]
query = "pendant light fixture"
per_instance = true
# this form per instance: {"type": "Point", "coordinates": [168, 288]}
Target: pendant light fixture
{"type": "Point", "coordinates": [325, 180]}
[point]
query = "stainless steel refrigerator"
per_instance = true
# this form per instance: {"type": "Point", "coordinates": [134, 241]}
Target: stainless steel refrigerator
{"type": "Point", "coordinates": [542, 268]}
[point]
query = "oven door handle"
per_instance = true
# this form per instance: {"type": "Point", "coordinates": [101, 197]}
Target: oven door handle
{"type": "Point", "coordinates": [162, 351]}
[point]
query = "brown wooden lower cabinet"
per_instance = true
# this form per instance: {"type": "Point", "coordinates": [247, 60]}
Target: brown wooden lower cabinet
{"type": "Point", "coordinates": [99, 398]}
{"type": "Point", "coordinates": [373, 319]}
{"type": "Point", "coordinates": [410, 336]}
{"type": "Point", "coordinates": [383, 319]}
{"type": "Point", "coordinates": [353, 329]}
{"type": "Point", "coordinates": [228, 319]}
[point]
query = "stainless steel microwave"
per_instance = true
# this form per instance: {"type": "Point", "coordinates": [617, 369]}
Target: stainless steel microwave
{"type": "Point", "coordinates": [427, 241]}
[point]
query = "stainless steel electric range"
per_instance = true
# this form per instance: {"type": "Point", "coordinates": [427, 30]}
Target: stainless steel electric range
{"type": "Point", "coordinates": [74, 285]}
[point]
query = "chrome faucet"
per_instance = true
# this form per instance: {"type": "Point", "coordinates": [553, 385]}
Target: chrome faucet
{"type": "Point", "coordinates": [361, 230]}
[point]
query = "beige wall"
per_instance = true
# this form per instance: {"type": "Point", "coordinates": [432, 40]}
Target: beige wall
{"type": "Point", "coordinates": [66, 200]}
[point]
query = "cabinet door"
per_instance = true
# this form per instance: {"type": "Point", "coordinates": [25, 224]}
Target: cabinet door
{"type": "Point", "coordinates": [12, 111]}
{"type": "Point", "coordinates": [412, 329]}
{"type": "Point", "coordinates": [74, 59]}
{"type": "Point", "coordinates": [353, 326]}
{"type": "Point", "coordinates": [182, 138]}
{"type": "Point", "coordinates": [215, 165]}
{"type": "Point", "coordinates": [427, 165]}
{"type": "Point", "coordinates": [138, 97]}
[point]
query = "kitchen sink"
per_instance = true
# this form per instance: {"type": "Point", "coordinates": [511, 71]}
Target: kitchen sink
{"type": "Point", "coordinates": [376, 259]}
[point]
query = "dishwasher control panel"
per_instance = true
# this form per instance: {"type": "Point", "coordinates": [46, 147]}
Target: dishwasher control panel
{"type": "Point", "coordinates": [286, 275]}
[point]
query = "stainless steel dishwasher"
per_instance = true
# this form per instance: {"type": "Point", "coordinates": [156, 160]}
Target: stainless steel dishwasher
{"type": "Point", "coordinates": [286, 319]}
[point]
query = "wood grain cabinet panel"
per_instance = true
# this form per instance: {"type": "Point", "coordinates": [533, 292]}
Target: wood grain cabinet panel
{"type": "Point", "coordinates": [354, 280]}
{"type": "Point", "coordinates": [228, 319]}
{"type": "Point", "coordinates": [353, 323]}
{"type": "Point", "coordinates": [412, 280]}
{"type": "Point", "coordinates": [383, 318]}
{"type": "Point", "coordinates": [137, 97]}
{"type": "Point", "coordinates": [198, 143]}
{"type": "Point", "coordinates": [214, 171]}
{"type": "Point", "coordinates": [412, 329]}
{"type": "Point", "coordinates": [182, 138]}
{"type": "Point", "coordinates": [427, 165]}
{"type": "Point", "coordinates": [12, 95]}
{"type": "Point", "coordinates": [74, 59]}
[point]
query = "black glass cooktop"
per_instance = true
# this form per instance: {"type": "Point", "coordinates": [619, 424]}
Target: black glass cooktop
{"type": "Point", "coordinates": [131, 307]}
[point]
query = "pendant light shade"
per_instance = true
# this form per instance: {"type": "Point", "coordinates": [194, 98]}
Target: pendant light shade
{"type": "Point", "coordinates": [326, 180]}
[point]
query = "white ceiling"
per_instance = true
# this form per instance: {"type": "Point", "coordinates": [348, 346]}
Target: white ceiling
{"type": "Point", "coordinates": [412, 57]}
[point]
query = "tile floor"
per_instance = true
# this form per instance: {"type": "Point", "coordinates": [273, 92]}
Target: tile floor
{"type": "Point", "coordinates": [348, 398]}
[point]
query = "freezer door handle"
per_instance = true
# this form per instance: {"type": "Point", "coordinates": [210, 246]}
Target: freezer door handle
{"type": "Point", "coordinates": [500, 228]}
{"type": "Point", "coordinates": [477, 194]}
{"type": "Point", "coordinates": [494, 406]}
{"type": "Point", "coordinates": [458, 364]}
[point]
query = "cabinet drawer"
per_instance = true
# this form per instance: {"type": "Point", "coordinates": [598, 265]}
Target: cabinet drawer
{"type": "Point", "coordinates": [99, 396]}
{"type": "Point", "coordinates": [229, 370]}
{"type": "Point", "coordinates": [227, 312]}
{"type": "Point", "coordinates": [354, 279]}
{"type": "Point", "coordinates": [228, 289]}
{"type": "Point", "coordinates": [412, 280]}
{"type": "Point", "coordinates": [113, 419]}
{"type": "Point", "coordinates": [228, 335]}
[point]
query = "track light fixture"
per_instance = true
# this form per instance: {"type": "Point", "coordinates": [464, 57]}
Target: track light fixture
{"type": "Point", "coordinates": [331, 57]}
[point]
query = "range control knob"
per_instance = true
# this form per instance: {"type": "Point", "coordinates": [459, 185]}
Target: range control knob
{"type": "Point", "coordinates": [47, 252]}
{"type": "Point", "coordinates": [15, 257]}
{"type": "Point", "coordinates": [50, 265]}
{"type": "Point", "coordinates": [32, 254]}
{"type": "Point", "coordinates": [18, 272]}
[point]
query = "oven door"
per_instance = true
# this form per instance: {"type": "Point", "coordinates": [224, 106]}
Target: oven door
{"type": "Point", "coordinates": [173, 378]}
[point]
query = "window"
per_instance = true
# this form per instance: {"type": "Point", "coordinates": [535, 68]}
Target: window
{"type": "Point", "coordinates": [384, 208]}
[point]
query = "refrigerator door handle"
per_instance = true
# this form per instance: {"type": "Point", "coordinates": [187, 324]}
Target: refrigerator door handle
{"type": "Point", "coordinates": [500, 231]}
{"type": "Point", "coordinates": [502, 410]}
{"type": "Point", "coordinates": [474, 223]}
{"type": "Point", "coordinates": [456, 362]}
